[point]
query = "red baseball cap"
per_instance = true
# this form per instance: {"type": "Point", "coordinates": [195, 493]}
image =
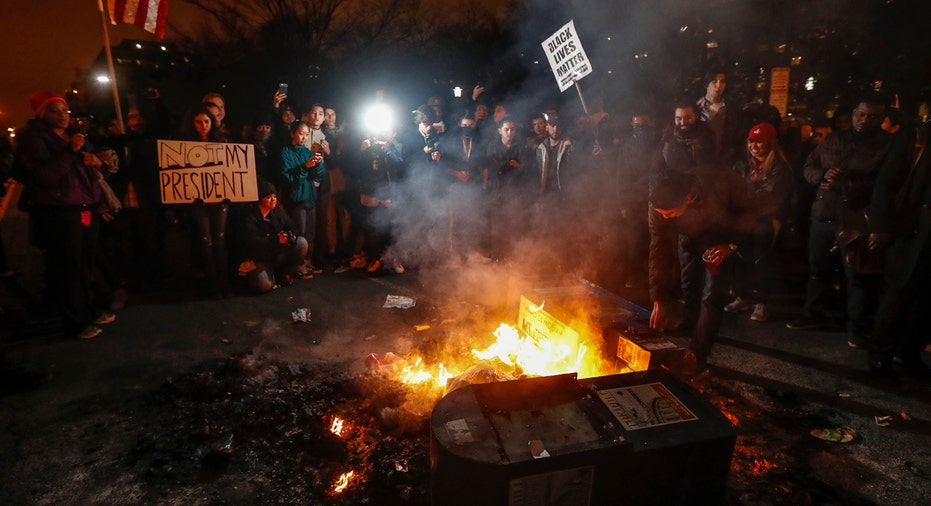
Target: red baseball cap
{"type": "Point", "coordinates": [764, 132]}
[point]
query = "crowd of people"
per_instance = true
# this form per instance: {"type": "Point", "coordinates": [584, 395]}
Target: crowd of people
{"type": "Point", "coordinates": [689, 201]}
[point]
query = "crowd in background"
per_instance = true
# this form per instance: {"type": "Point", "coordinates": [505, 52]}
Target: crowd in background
{"type": "Point", "coordinates": [689, 199]}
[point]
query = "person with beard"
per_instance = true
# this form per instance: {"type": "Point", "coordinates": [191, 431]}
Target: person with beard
{"type": "Point", "coordinates": [631, 185]}
{"type": "Point", "coordinates": [688, 145]}
{"type": "Point", "coordinates": [705, 212]}
{"type": "Point", "coordinates": [844, 167]}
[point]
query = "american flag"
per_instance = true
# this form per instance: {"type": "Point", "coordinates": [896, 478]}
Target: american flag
{"type": "Point", "coordinates": [149, 15]}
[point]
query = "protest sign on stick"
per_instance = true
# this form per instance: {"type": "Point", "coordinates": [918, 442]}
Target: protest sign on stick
{"type": "Point", "coordinates": [566, 56]}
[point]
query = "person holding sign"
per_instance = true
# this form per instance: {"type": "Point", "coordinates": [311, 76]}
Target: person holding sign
{"type": "Point", "coordinates": [302, 172]}
{"type": "Point", "coordinates": [212, 259]}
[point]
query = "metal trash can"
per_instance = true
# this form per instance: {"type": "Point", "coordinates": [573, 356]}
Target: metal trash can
{"type": "Point", "coordinates": [637, 438]}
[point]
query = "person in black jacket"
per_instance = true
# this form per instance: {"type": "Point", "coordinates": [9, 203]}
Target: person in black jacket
{"type": "Point", "coordinates": [273, 252]}
{"type": "Point", "coordinates": [900, 225]}
{"type": "Point", "coordinates": [706, 212]}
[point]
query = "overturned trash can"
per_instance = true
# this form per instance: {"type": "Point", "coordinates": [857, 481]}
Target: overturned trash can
{"type": "Point", "coordinates": [637, 438]}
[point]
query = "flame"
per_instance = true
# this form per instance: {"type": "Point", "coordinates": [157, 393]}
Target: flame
{"type": "Point", "coordinates": [419, 374]}
{"type": "Point", "coordinates": [539, 357]}
{"type": "Point", "coordinates": [530, 355]}
{"type": "Point", "coordinates": [343, 482]}
{"type": "Point", "coordinates": [337, 426]}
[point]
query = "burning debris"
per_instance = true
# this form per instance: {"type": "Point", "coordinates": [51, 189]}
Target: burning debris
{"type": "Point", "coordinates": [272, 432]}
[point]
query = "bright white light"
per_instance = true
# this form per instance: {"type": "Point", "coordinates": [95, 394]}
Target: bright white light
{"type": "Point", "coordinates": [378, 119]}
{"type": "Point", "coordinates": [138, 46]}
{"type": "Point", "coordinates": [164, 48]}
{"type": "Point", "coordinates": [457, 91]}
{"type": "Point", "coordinates": [102, 79]}
{"type": "Point", "coordinates": [810, 83]}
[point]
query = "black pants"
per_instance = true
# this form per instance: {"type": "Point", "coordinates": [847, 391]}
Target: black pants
{"type": "Point", "coordinates": [70, 246]}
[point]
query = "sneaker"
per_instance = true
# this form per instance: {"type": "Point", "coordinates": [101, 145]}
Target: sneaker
{"type": "Point", "coordinates": [805, 323]}
{"type": "Point", "coordinates": [305, 273]}
{"type": "Point", "coordinates": [760, 313]}
{"type": "Point", "coordinates": [311, 269]}
{"type": "Point", "coordinates": [398, 268]}
{"type": "Point", "coordinates": [90, 332]}
{"type": "Point", "coordinates": [738, 306]}
{"type": "Point", "coordinates": [341, 269]}
{"type": "Point", "coordinates": [857, 341]}
{"type": "Point", "coordinates": [104, 319]}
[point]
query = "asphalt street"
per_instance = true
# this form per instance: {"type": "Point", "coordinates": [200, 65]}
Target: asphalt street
{"type": "Point", "coordinates": [170, 331]}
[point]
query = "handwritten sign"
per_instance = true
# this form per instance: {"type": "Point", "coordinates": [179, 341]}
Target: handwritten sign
{"type": "Point", "coordinates": [566, 56]}
{"type": "Point", "coordinates": [210, 171]}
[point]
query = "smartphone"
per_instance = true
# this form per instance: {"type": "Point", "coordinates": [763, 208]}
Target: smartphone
{"type": "Point", "coordinates": [283, 88]}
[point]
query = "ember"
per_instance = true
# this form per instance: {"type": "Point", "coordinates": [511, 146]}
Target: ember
{"type": "Point", "coordinates": [337, 426]}
{"type": "Point", "coordinates": [343, 482]}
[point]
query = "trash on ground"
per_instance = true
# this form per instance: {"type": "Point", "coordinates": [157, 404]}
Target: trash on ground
{"type": "Point", "coordinates": [225, 341]}
{"type": "Point", "coordinates": [421, 328]}
{"type": "Point", "coordinates": [300, 315]}
{"type": "Point", "coordinates": [399, 301]}
{"type": "Point", "coordinates": [905, 416]}
{"type": "Point", "coordinates": [883, 421]}
{"type": "Point", "coordinates": [837, 434]}
{"type": "Point", "coordinates": [370, 337]}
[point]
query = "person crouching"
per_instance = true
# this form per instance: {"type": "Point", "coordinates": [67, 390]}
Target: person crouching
{"type": "Point", "coordinates": [273, 252]}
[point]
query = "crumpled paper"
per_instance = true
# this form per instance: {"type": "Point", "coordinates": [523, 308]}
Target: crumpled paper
{"type": "Point", "coordinates": [300, 315]}
{"type": "Point", "coordinates": [399, 301]}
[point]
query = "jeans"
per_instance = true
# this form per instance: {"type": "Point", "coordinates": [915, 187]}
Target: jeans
{"type": "Point", "coordinates": [210, 225]}
{"type": "Point", "coordinates": [862, 289]}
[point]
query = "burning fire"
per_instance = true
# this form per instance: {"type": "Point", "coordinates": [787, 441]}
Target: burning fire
{"type": "Point", "coordinates": [511, 353]}
{"type": "Point", "coordinates": [337, 426]}
{"type": "Point", "coordinates": [343, 482]}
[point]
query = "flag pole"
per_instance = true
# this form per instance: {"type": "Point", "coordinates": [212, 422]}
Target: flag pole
{"type": "Point", "coordinates": [110, 70]}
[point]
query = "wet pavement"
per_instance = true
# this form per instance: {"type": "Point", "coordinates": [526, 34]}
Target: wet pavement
{"type": "Point", "coordinates": [104, 426]}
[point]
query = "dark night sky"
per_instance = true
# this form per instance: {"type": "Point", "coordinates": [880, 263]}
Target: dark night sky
{"type": "Point", "coordinates": [48, 40]}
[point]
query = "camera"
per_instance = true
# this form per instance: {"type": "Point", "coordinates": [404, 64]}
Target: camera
{"type": "Point", "coordinates": [291, 237]}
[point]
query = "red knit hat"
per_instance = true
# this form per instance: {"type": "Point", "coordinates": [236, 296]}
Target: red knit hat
{"type": "Point", "coordinates": [42, 99]}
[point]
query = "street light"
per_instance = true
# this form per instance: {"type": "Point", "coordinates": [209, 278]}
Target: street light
{"type": "Point", "coordinates": [103, 79]}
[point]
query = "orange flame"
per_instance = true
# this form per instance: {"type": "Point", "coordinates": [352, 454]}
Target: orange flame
{"type": "Point", "coordinates": [343, 482]}
{"type": "Point", "coordinates": [531, 355]}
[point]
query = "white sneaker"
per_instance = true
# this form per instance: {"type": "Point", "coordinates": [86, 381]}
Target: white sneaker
{"type": "Point", "coordinates": [90, 332]}
{"type": "Point", "coordinates": [105, 318]}
{"type": "Point", "coordinates": [738, 306]}
{"type": "Point", "coordinates": [760, 313]}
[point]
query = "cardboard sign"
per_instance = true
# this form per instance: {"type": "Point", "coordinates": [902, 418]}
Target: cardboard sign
{"type": "Point", "coordinates": [566, 56]}
{"type": "Point", "coordinates": [210, 171]}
